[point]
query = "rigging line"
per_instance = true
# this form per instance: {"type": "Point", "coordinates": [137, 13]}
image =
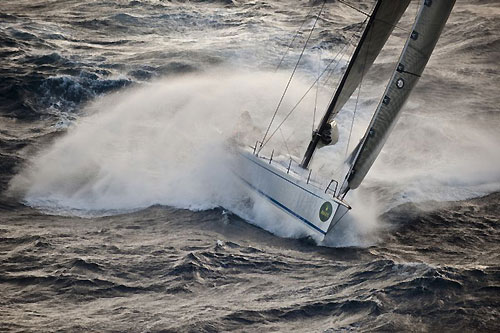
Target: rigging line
{"type": "Point", "coordinates": [291, 76]}
{"type": "Point", "coordinates": [352, 7]}
{"type": "Point", "coordinates": [284, 141]}
{"type": "Point", "coordinates": [352, 126]}
{"type": "Point", "coordinates": [350, 57]}
{"type": "Point", "coordinates": [317, 89]}
{"type": "Point", "coordinates": [287, 139]}
{"type": "Point", "coordinates": [352, 123]}
{"type": "Point", "coordinates": [340, 77]}
{"type": "Point", "coordinates": [345, 48]}
{"type": "Point", "coordinates": [293, 39]}
{"type": "Point", "coordinates": [359, 92]}
{"type": "Point", "coordinates": [297, 104]}
{"type": "Point", "coordinates": [357, 101]}
{"type": "Point", "coordinates": [337, 170]}
{"type": "Point", "coordinates": [263, 143]}
{"type": "Point", "coordinates": [332, 71]}
{"type": "Point", "coordinates": [369, 15]}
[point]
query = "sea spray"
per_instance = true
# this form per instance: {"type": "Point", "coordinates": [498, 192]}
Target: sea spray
{"type": "Point", "coordinates": [167, 141]}
{"type": "Point", "coordinates": [435, 157]}
{"type": "Point", "coordinates": [361, 226]}
{"type": "Point", "coordinates": [163, 143]}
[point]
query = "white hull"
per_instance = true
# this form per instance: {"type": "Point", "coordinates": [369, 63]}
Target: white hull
{"type": "Point", "coordinates": [309, 206]}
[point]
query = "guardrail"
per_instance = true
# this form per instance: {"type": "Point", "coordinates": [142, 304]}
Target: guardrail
{"type": "Point", "coordinates": [310, 180]}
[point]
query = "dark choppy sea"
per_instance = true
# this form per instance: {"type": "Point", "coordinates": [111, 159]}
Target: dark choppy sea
{"type": "Point", "coordinates": [116, 211]}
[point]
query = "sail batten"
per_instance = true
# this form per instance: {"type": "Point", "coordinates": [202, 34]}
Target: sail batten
{"type": "Point", "coordinates": [425, 33]}
{"type": "Point", "coordinates": [380, 25]}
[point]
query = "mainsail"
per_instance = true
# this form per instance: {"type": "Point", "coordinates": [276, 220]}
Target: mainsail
{"type": "Point", "coordinates": [425, 33]}
{"type": "Point", "coordinates": [382, 21]}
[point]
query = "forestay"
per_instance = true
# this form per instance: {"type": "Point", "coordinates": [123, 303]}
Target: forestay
{"type": "Point", "coordinates": [428, 25]}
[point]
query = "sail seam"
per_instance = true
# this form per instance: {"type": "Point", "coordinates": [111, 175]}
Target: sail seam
{"type": "Point", "coordinates": [406, 72]}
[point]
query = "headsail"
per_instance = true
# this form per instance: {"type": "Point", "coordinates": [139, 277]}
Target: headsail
{"type": "Point", "coordinates": [428, 25]}
{"type": "Point", "coordinates": [384, 17]}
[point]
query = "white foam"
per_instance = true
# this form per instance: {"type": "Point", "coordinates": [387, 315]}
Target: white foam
{"type": "Point", "coordinates": [160, 144]}
{"type": "Point", "coordinates": [164, 143]}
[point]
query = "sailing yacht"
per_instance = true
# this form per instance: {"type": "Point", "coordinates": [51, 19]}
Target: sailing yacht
{"type": "Point", "coordinates": [319, 207]}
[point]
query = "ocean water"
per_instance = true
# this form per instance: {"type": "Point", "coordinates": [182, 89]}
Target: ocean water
{"type": "Point", "coordinates": [117, 212]}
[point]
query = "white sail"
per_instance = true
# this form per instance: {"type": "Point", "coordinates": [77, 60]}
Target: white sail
{"type": "Point", "coordinates": [425, 33]}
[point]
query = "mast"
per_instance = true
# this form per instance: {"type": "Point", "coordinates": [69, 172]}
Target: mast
{"type": "Point", "coordinates": [378, 29]}
{"type": "Point", "coordinates": [425, 33]}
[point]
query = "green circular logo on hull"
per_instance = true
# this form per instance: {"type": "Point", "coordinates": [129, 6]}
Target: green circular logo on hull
{"type": "Point", "coordinates": [325, 211]}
